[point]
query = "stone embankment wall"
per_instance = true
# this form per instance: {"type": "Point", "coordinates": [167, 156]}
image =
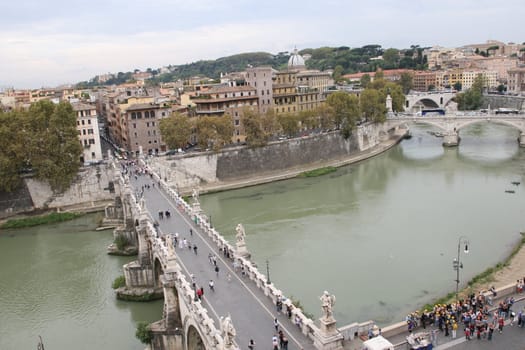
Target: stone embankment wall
{"type": "Point", "coordinates": [198, 170]}
{"type": "Point", "coordinates": [88, 192]}
{"type": "Point", "coordinates": [503, 101]}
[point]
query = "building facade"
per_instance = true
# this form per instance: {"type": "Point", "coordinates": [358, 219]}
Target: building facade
{"type": "Point", "coordinates": [516, 82]}
{"type": "Point", "coordinates": [261, 78]}
{"type": "Point", "coordinates": [88, 132]}
{"type": "Point", "coordinates": [228, 101]}
{"type": "Point", "coordinates": [142, 128]}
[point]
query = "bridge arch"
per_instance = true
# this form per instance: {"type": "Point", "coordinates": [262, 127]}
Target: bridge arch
{"type": "Point", "coordinates": [491, 120]}
{"type": "Point", "coordinates": [158, 270]}
{"type": "Point", "coordinates": [193, 339]}
{"type": "Point", "coordinates": [428, 100]}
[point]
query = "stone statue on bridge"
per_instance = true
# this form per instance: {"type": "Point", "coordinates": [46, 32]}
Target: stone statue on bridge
{"type": "Point", "coordinates": [241, 249]}
{"type": "Point", "coordinates": [241, 235]}
{"type": "Point", "coordinates": [327, 304]}
{"type": "Point", "coordinates": [195, 195]}
{"type": "Point", "coordinates": [227, 332]}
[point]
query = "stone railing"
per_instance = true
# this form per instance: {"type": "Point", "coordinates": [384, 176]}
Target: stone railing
{"type": "Point", "coordinates": [173, 276]}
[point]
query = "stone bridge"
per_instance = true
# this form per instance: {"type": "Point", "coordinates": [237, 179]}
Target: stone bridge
{"type": "Point", "coordinates": [451, 124]}
{"type": "Point", "coordinates": [242, 306]}
{"type": "Point", "coordinates": [415, 102]}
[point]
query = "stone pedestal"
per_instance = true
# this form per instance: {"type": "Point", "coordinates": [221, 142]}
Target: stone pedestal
{"type": "Point", "coordinates": [522, 140]}
{"type": "Point", "coordinates": [328, 337]}
{"type": "Point", "coordinates": [242, 251]}
{"type": "Point", "coordinates": [451, 140]}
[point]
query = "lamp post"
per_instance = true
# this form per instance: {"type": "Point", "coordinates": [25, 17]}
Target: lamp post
{"type": "Point", "coordinates": [268, 272]}
{"type": "Point", "coordinates": [457, 264]}
{"type": "Point", "coordinates": [211, 226]}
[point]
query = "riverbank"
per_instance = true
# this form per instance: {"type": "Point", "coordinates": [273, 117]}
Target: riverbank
{"type": "Point", "coordinates": [294, 172]}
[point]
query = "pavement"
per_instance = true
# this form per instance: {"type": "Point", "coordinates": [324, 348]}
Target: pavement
{"type": "Point", "coordinates": [252, 312]}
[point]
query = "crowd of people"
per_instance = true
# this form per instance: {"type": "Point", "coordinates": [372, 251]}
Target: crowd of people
{"type": "Point", "coordinates": [475, 316]}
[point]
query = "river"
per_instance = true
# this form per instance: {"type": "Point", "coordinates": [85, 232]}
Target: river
{"type": "Point", "coordinates": [380, 235]}
{"type": "Point", "coordinates": [55, 281]}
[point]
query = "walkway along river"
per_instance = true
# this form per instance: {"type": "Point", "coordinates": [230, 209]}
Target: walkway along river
{"type": "Point", "coordinates": [380, 235]}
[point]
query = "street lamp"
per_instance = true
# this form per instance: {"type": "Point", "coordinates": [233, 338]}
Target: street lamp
{"type": "Point", "coordinates": [268, 272]}
{"type": "Point", "coordinates": [211, 226]}
{"type": "Point", "coordinates": [457, 264]}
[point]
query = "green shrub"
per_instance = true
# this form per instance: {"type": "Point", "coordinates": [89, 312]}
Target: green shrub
{"type": "Point", "coordinates": [120, 281]}
{"type": "Point", "coordinates": [143, 333]}
{"type": "Point", "coordinates": [40, 220]}
{"type": "Point", "coordinates": [318, 172]}
{"type": "Point", "coordinates": [121, 242]}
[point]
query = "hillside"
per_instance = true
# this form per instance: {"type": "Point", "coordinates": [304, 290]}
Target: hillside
{"type": "Point", "coordinates": [341, 59]}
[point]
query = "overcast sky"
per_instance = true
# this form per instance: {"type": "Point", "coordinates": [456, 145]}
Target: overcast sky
{"type": "Point", "coordinates": [48, 43]}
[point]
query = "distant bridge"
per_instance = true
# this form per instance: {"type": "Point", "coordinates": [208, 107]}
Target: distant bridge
{"type": "Point", "coordinates": [452, 123]}
{"type": "Point", "coordinates": [416, 101]}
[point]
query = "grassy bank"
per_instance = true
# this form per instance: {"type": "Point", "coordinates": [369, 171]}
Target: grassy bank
{"type": "Point", "coordinates": [318, 172]}
{"type": "Point", "coordinates": [478, 282]}
{"type": "Point", "coordinates": [39, 220]}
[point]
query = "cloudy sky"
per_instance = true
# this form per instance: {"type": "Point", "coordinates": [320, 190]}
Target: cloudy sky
{"type": "Point", "coordinates": [47, 43]}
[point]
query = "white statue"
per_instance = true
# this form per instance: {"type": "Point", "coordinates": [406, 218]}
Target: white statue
{"type": "Point", "coordinates": [240, 233]}
{"type": "Point", "coordinates": [142, 203]}
{"type": "Point", "coordinates": [327, 304]}
{"type": "Point", "coordinates": [195, 195]}
{"type": "Point", "coordinates": [227, 331]}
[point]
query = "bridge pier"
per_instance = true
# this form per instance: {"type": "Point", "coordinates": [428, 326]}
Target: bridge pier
{"type": "Point", "coordinates": [451, 139]}
{"type": "Point", "coordinates": [522, 139]}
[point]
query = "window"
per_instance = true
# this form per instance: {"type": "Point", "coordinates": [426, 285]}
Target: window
{"type": "Point", "coordinates": [147, 124]}
{"type": "Point", "coordinates": [133, 115]}
{"type": "Point", "coordinates": [89, 121]}
{"type": "Point", "coordinates": [139, 115]}
{"type": "Point", "coordinates": [152, 114]}
{"type": "Point", "coordinates": [154, 132]}
{"type": "Point", "coordinates": [91, 141]}
{"type": "Point", "coordinates": [237, 132]}
{"type": "Point", "coordinates": [264, 83]}
{"type": "Point", "coordinates": [134, 125]}
{"type": "Point", "coordinates": [236, 122]}
{"type": "Point", "coordinates": [78, 122]}
{"type": "Point", "coordinates": [83, 121]}
{"type": "Point", "coordinates": [146, 114]}
{"type": "Point", "coordinates": [152, 123]}
{"type": "Point", "coordinates": [79, 132]}
{"type": "Point", "coordinates": [93, 155]}
{"type": "Point", "coordinates": [83, 131]}
{"type": "Point", "coordinates": [90, 131]}
{"type": "Point", "coordinates": [149, 133]}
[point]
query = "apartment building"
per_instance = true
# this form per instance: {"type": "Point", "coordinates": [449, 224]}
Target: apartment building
{"type": "Point", "coordinates": [227, 101]}
{"type": "Point", "coordinates": [516, 82]}
{"type": "Point", "coordinates": [423, 80]}
{"type": "Point", "coordinates": [142, 127]}
{"type": "Point", "coordinates": [261, 78]}
{"type": "Point", "coordinates": [88, 132]}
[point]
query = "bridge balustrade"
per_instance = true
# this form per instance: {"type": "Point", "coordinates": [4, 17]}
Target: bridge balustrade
{"type": "Point", "coordinates": [307, 325]}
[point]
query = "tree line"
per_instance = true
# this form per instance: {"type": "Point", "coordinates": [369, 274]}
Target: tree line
{"type": "Point", "coordinates": [42, 140]}
{"type": "Point", "coordinates": [341, 111]}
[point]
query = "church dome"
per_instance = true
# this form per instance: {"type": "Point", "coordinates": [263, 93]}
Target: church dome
{"type": "Point", "coordinates": [296, 61]}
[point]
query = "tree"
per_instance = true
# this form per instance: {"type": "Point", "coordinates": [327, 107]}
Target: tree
{"type": "Point", "coordinates": [471, 99]}
{"type": "Point", "coordinates": [396, 93]}
{"type": "Point", "coordinates": [12, 150]}
{"type": "Point", "coordinates": [345, 110]}
{"type": "Point", "coordinates": [325, 114]}
{"type": "Point", "coordinates": [406, 82]}
{"type": "Point", "coordinates": [457, 86]}
{"type": "Point", "coordinates": [254, 130]}
{"type": "Point", "coordinates": [501, 88]}
{"type": "Point", "coordinates": [391, 57]}
{"type": "Point", "coordinates": [365, 80]}
{"type": "Point", "coordinates": [308, 119]}
{"type": "Point", "coordinates": [53, 146]}
{"type": "Point", "coordinates": [338, 73]}
{"type": "Point", "coordinates": [373, 105]}
{"type": "Point", "coordinates": [176, 130]}
{"type": "Point", "coordinates": [143, 333]}
{"type": "Point", "coordinates": [215, 132]}
{"type": "Point", "coordinates": [289, 123]}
